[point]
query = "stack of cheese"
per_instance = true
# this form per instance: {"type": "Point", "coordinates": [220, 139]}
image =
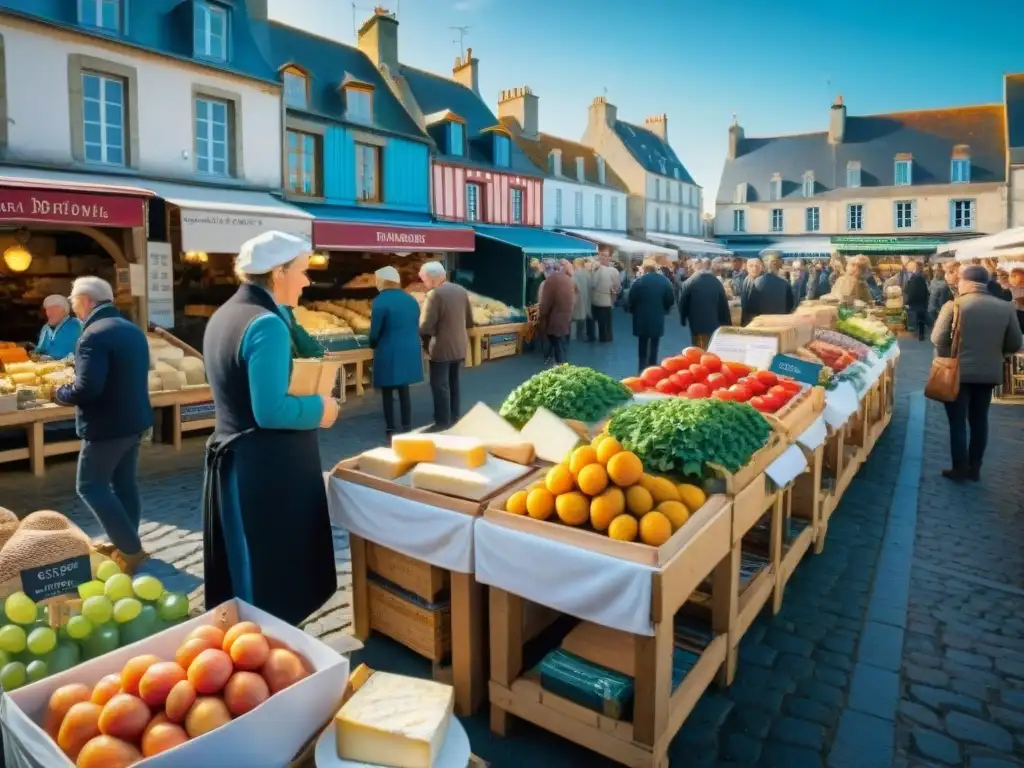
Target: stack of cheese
{"type": "Point", "coordinates": [35, 381]}
{"type": "Point", "coordinates": [395, 721]}
{"type": "Point", "coordinates": [320, 322]}
{"type": "Point", "coordinates": [170, 368]}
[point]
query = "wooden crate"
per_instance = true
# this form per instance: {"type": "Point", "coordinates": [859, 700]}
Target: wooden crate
{"type": "Point", "coordinates": [427, 630]}
{"type": "Point", "coordinates": [424, 580]}
{"type": "Point", "coordinates": [796, 416]}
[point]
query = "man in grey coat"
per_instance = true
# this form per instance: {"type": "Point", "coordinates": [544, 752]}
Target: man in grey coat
{"type": "Point", "coordinates": [444, 327]}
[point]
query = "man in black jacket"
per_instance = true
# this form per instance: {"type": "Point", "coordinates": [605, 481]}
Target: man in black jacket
{"type": "Point", "coordinates": [915, 296]}
{"type": "Point", "coordinates": [769, 294]}
{"type": "Point", "coordinates": [703, 304]}
{"type": "Point", "coordinates": [649, 300]}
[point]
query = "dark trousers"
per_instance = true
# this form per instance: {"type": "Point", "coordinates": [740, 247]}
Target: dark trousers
{"type": "Point", "coordinates": [647, 350]}
{"type": "Point", "coordinates": [969, 411]}
{"type": "Point", "coordinates": [603, 318]}
{"type": "Point", "coordinates": [918, 318]}
{"type": "Point", "coordinates": [556, 345]}
{"type": "Point", "coordinates": [404, 406]}
{"type": "Point", "coordinates": [585, 326]}
{"type": "Point", "coordinates": [702, 340]}
{"type": "Point", "coordinates": [108, 483]}
{"type": "Point", "coordinates": [444, 385]}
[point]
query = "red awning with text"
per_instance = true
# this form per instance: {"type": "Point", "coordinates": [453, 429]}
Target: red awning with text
{"type": "Point", "coordinates": [28, 196]}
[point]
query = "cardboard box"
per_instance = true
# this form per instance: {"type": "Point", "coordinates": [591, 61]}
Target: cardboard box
{"type": "Point", "coordinates": [313, 377]}
{"type": "Point", "coordinates": [269, 736]}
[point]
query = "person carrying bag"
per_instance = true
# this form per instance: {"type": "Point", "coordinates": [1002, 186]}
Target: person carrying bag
{"type": "Point", "coordinates": [943, 383]}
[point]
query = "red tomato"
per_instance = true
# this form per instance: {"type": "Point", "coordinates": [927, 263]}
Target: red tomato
{"type": "Point", "coordinates": [729, 375]}
{"type": "Point", "coordinates": [737, 369]}
{"type": "Point", "coordinates": [790, 386]}
{"type": "Point", "coordinates": [723, 394]}
{"type": "Point", "coordinates": [766, 377]}
{"type": "Point", "coordinates": [667, 387]}
{"type": "Point", "coordinates": [780, 392]}
{"type": "Point", "coordinates": [673, 364]}
{"type": "Point", "coordinates": [717, 381]}
{"type": "Point", "coordinates": [759, 404]}
{"type": "Point", "coordinates": [740, 393]}
{"type": "Point", "coordinates": [683, 379]}
{"type": "Point", "coordinates": [772, 403]}
{"type": "Point", "coordinates": [710, 361]}
{"type": "Point", "coordinates": [693, 354]}
{"type": "Point", "coordinates": [653, 375]}
{"type": "Point", "coordinates": [697, 391]}
{"type": "Point", "coordinates": [699, 372]}
{"type": "Point", "coordinates": [755, 385]}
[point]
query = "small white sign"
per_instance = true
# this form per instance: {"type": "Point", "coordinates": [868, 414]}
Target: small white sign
{"type": "Point", "coordinates": [222, 232]}
{"type": "Point", "coordinates": [814, 435]}
{"type": "Point", "coordinates": [160, 284]}
{"type": "Point", "coordinates": [840, 404]}
{"type": "Point", "coordinates": [755, 351]}
{"type": "Point", "coordinates": [137, 279]}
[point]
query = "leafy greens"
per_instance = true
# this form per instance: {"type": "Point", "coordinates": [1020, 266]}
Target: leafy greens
{"type": "Point", "coordinates": [568, 391]}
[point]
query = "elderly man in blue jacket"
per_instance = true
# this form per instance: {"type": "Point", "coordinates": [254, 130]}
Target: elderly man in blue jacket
{"type": "Point", "coordinates": [112, 412]}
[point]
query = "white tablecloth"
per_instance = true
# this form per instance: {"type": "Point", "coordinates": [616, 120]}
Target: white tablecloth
{"type": "Point", "coordinates": [814, 435]}
{"type": "Point", "coordinates": [840, 404]}
{"type": "Point", "coordinates": [437, 536]}
{"type": "Point", "coordinates": [787, 467]}
{"type": "Point", "coordinates": [605, 590]}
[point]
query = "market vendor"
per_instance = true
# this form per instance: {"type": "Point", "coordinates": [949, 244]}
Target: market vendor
{"type": "Point", "coordinates": [266, 529]}
{"type": "Point", "coordinates": [59, 336]}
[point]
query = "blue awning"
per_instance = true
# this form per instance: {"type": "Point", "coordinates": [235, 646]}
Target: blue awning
{"type": "Point", "coordinates": [537, 242]}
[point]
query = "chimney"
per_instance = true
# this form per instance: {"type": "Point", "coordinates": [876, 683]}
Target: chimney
{"type": "Point", "coordinates": [378, 38]}
{"type": "Point", "coordinates": [600, 170]}
{"type": "Point", "coordinates": [735, 139]}
{"type": "Point", "coordinates": [555, 160]}
{"type": "Point", "coordinates": [467, 72]}
{"type": "Point", "coordinates": [602, 113]}
{"type": "Point", "coordinates": [658, 125]}
{"type": "Point", "coordinates": [837, 121]}
{"type": "Point", "coordinates": [521, 105]}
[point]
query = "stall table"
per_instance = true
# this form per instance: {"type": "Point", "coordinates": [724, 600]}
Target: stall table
{"type": "Point", "coordinates": [168, 407]}
{"type": "Point", "coordinates": [354, 357]}
{"type": "Point", "coordinates": [33, 420]}
{"type": "Point", "coordinates": [477, 334]}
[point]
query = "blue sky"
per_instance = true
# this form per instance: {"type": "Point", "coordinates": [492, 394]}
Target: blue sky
{"type": "Point", "coordinates": [776, 64]}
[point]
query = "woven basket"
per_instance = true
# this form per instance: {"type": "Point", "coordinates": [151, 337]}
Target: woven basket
{"type": "Point", "coordinates": [43, 537]}
{"type": "Point", "coordinates": [9, 523]}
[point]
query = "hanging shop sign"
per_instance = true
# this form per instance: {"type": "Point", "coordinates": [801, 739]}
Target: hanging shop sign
{"type": "Point", "coordinates": [225, 231]}
{"type": "Point", "coordinates": [160, 284]}
{"type": "Point", "coordinates": [45, 206]}
{"type": "Point", "coordinates": [888, 244]}
{"type": "Point", "coordinates": [366, 236]}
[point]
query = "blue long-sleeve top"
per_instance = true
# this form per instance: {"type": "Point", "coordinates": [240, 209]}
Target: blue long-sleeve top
{"type": "Point", "coordinates": [59, 342]}
{"type": "Point", "coordinates": [267, 353]}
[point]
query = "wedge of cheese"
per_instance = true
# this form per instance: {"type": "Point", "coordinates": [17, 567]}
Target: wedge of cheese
{"type": "Point", "coordinates": [520, 452]}
{"type": "Point", "coordinates": [459, 451]}
{"type": "Point", "coordinates": [485, 424]}
{"type": "Point", "coordinates": [395, 721]}
{"type": "Point", "coordinates": [453, 481]}
{"type": "Point", "coordinates": [552, 438]}
{"type": "Point", "coordinates": [384, 463]}
{"type": "Point", "coordinates": [414, 447]}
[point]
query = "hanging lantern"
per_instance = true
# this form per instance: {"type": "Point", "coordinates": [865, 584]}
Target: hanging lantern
{"type": "Point", "coordinates": [196, 257]}
{"type": "Point", "coordinates": [17, 258]}
{"type": "Point", "coordinates": [318, 260]}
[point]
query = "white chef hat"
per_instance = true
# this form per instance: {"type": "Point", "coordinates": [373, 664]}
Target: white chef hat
{"type": "Point", "coordinates": [56, 300]}
{"type": "Point", "coordinates": [269, 250]}
{"type": "Point", "coordinates": [388, 273]}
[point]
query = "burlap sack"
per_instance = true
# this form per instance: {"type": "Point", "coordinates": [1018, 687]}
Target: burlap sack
{"type": "Point", "coordinates": [9, 523]}
{"type": "Point", "coordinates": [43, 537]}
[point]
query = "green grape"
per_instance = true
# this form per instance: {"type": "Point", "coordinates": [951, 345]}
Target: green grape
{"type": "Point", "coordinates": [41, 640]}
{"type": "Point", "coordinates": [142, 626]}
{"type": "Point", "coordinates": [172, 606]}
{"type": "Point", "coordinates": [13, 675]}
{"type": "Point", "coordinates": [64, 656]}
{"type": "Point", "coordinates": [20, 609]}
{"type": "Point", "coordinates": [5, 658]}
{"type": "Point", "coordinates": [103, 640]}
{"type": "Point", "coordinates": [98, 610]}
{"type": "Point", "coordinates": [126, 609]}
{"type": "Point", "coordinates": [36, 670]}
{"type": "Point", "coordinates": [78, 627]}
{"type": "Point", "coordinates": [89, 589]}
{"type": "Point", "coordinates": [118, 587]}
{"type": "Point", "coordinates": [106, 569]}
{"type": "Point", "coordinates": [147, 587]}
{"type": "Point", "coordinates": [12, 639]}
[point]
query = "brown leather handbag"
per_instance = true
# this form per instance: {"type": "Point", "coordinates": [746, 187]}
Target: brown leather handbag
{"type": "Point", "coordinates": [944, 378]}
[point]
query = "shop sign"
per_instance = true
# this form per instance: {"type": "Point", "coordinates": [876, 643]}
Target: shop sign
{"type": "Point", "coordinates": [352, 236]}
{"type": "Point", "coordinates": [801, 370]}
{"type": "Point", "coordinates": [869, 241]}
{"type": "Point", "coordinates": [224, 232]}
{"type": "Point", "coordinates": [56, 579]}
{"type": "Point", "coordinates": [46, 206]}
{"type": "Point", "coordinates": [160, 284]}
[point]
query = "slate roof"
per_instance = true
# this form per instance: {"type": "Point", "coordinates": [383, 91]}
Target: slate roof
{"type": "Point", "coordinates": [327, 64]}
{"type": "Point", "coordinates": [434, 93]}
{"type": "Point", "coordinates": [1014, 95]}
{"type": "Point", "coordinates": [648, 149]}
{"type": "Point", "coordinates": [163, 26]}
{"type": "Point", "coordinates": [540, 148]}
{"type": "Point", "coordinates": [873, 141]}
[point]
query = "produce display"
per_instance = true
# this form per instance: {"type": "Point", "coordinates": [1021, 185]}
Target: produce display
{"type": "Point", "coordinates": [606, 489]}
{"type": "Point", "coordinates": [682, 436]}
{"type": "Point", "coordinates": [856, 348]}
{"type": "Point", "coordinates": [12, 353]}
{"type": "Point", "coordinates": [568, 391]}
{"type": "Point", "coordinates": [836, 358]}
{"type": "Point", "coordinates": [170, 368]}
{"type": "Point", "coordinates": [869, 331]}
{"type": "Point", "coordinates": [34, 383]}
{"type": "Point", "coordinates": [155, 705]}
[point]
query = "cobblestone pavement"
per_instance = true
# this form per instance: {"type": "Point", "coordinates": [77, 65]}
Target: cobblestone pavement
{"type": "Point", "coordinates": [961, 688]}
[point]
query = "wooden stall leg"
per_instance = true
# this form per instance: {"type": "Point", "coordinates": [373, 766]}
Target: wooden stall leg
{"type": "Point", "coordinates": [359, 378]}
{"type": "Point", "coordinates": [780, 513]}
{"type": "Point", "coordinates": [652, 683]}
{"type": "Point", "coordinates": [36, 450]}
{"type": "Point", "coordinates": [478, 355]}
{"type": "Point", "coordinates": [506, 624]}
{"type": "Point", "coordinates": [725, 606]}
{"type": "Point", "coordinates": [360, 588]}
{"type": "Point", "coordinates": [469, 653]}
{"type": "Point", "coordinates": [176, 426]}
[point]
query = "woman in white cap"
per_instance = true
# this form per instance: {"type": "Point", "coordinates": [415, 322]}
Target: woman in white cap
{"type": "Point", "coordinates": [266, 529]}
{"type": "Point", "coordinates": [397, 350]}
{"type": "Point", "coordinates": [59, 336]}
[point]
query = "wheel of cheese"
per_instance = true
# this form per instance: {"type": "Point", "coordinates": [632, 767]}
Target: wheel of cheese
{"type": "Point", "coordinates": [42, 538]}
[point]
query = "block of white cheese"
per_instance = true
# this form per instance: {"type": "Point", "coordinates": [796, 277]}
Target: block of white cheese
{"type": "Point", "coordinates": [384, 463]}
{"type": "Point", "coordinates": [395, 721]}
{"type": "Point", "coordinates": [520, 452]}
{"type": "Point", "coordinates": [453, 481]}
{"type": "Point", "coordinates": [485, 424]}
{"type": "Point", "coordinates": [552, 438]}
{"type": "Point", "coordinates": [459, 451]}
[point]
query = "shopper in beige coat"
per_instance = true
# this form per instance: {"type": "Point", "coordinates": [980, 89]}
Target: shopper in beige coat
{"type": "Point", "coordinates": [444, 327]}
{"type": "Point", "coordinates": [605, 287]}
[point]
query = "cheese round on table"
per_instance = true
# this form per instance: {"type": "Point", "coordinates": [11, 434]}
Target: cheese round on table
{"type": "Point", "coordinates": [395, 721]}
{"type": "Point", "coordinates": [414, 447]}
{"type": "Point", "coordinates": [384, 463]}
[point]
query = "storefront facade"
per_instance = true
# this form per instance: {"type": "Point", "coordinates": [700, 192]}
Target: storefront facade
{"type": "Point", "coordinates": [889, 246]}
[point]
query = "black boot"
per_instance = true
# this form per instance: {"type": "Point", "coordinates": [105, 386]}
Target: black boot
{"type": "Point", "coordinates": [974, 473]}
{"type": "Point", "coordinates": [956, 474]}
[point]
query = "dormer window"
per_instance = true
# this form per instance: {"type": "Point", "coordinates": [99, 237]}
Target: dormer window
{"type": "Point", "coordinates": [456, 138]}
{"type": "Point", "coordinates": [101, 14]}
{"type": "Point", "coordinates": [502, 150]}
{"type": "Point", "coordinates": [740, 195]}
{"type": "Point", "coordinates": [358, 100]}
{"type": "Point", "coordinates": [775, 187]}
{"type": "Point", "coordinates": [902, 170]}
{"type": "Point", "coordinates": [581, 175]}
{"type": "Point", "coordinates": [809, 184]}
{"type": "Point", "coordinates": [853, 174]}
{"type": "Point", "coordinates": [601, 174]}
{"type": "Point", "coordinates": [675, 173]}
{"type": "Point", "coordinates": [555, 162]}
{"type": "Point", "coordinates": [296, 88]}
{"type": "Point", "coordinates": [210, 31]}
{"type": "Point", "coordinates": [960, 166]}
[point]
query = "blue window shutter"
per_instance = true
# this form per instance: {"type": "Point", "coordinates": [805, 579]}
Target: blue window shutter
{"type": "Point", "coordinates": [952, 208]}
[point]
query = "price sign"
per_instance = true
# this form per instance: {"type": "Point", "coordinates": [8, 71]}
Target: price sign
{"type": "Point", "coordinates": [803, 371]}
{"type": "Point", "coordinates": [56, 579]}
{"type": "Point", "coordinates": [749, 349]}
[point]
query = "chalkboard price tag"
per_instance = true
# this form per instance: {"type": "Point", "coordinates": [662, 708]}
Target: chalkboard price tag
{"type": "Point", "coordinates": [56, 579]}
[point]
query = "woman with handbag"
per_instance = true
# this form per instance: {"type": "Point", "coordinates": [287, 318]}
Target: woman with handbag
{"type": "Point", "coordinates": [972, 335]}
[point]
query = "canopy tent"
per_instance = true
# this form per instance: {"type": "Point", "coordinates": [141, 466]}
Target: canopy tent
{"type": "Point", "coordinates": [623, 244]}
{"type": "Point", "coordinates": [991, 246]}
{"type": "Point", "coordinates": [688, 244]}
{"type": "Point", "coordinates": [537, 242]}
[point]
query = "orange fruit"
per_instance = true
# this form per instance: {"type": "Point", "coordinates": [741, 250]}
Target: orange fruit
{"type": "Point", "coordinates": [540, 503]}
{"type": "Point", "coordinates": [608, 448]}
{"type": "Point", "coordinates": [598, 439]}
{"type": "Point", "coordinates": [623, 528]}
{"type": "Point", "coordinates": [625, 469]}
{"type": "Point", "coordinates": [558, 479]}
{"type": "Point", "coordinates": [692, 496]}
{"type": "Point", "coordinates": [655, 529]}
{"type": "Point", "coordinates": [639, 500]}
{"type": "Point", "coordinates": [581, 457]}
{"type": "Point", "coordinates": [573, 508]}
{"type": "Point", "coordinates": [663, 489]}
{"type": "Point", "coordinates": [592, 479]}
{"type": "Point", "coordinates": [676, 512]}
{"type": "Point", "coordinates": [516, 503]}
